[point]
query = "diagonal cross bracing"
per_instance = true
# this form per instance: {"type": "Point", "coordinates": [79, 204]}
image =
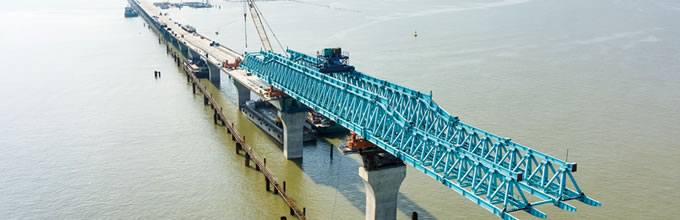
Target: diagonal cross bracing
{"type": "Point", "coordinates": [419, 108]}
{"type": "Point", "coordinates": [492, 172]}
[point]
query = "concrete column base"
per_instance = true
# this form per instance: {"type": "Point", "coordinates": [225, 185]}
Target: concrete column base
{"type": "Point", "coordinates": [191, 54]}
{"type": "Point", "coordinates": [214, 75]}
{"type": "Point", "coordinates": [183, 49]}
{"type": "Point", "coordinates": [382, 189]}
{"type": "Point", "coordinates": [242, 93]}
{"type": "Point", "coordinates": [292, 133]}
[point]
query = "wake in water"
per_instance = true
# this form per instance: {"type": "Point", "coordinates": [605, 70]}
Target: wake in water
{"type": "Point", "coordinates": [616, 36]}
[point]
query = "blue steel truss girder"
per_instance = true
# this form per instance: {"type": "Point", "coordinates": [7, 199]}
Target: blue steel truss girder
{"type": "Point", "coordinates": [367, 114]}
{"type": "Point", "coordinates": [364, 95]}
{"type": "Point", "coordinates": [419, 108]}
{"type": "Point", "coordinates": [372, 115]}
{"type": "Point", "coordinates": [404, 98]}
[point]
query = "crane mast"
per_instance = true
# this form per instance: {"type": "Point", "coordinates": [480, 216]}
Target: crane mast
{"type": "Point", "coordinates": [259, 26]}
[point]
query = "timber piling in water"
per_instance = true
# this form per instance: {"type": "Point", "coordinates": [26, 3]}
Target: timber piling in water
{"type": "Point", "coordinates": [240, 142]}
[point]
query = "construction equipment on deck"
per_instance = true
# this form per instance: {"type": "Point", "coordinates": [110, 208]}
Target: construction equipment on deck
{"type": "Point", "coordinates": [274, 93]}
{"type": "Point", "coordinates": [332, 60]}
{"type": "Point", "coordinates": [355, 143]}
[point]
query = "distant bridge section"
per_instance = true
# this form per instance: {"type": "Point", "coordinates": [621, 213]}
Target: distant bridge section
{"type": "Point", "coordinates": [494, 172]}
{"type": "Point", "coordinates": [196, 46]}
{"type": "Point", "coordinates": [220, 59]}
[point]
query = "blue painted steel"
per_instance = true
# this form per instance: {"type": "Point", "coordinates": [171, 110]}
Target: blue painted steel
{"type": "Point", "coordinates": [491, 171]}
{"type": "Point", "coordinates": [426, 114]}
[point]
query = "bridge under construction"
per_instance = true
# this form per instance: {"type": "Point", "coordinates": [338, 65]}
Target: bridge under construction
{"type": "Point", "coordinates": [403, 126]}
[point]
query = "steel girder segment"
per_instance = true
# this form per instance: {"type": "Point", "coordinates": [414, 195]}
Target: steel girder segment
{"type": "Point", "coordinates": [420, 109]}
{"type": "Point", "coordinates": [303, 59]}
{"type": "Point", "coordinates": [369, 114]}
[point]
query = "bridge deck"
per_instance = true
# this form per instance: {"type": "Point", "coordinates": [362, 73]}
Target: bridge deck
{"type": "Point", "coordinates": [216, 55]}
{"type": "Point", "coordinates": [492, 171]}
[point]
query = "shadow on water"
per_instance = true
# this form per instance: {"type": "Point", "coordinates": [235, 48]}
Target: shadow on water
{"type": "Point", "coordinates": [341, 173]}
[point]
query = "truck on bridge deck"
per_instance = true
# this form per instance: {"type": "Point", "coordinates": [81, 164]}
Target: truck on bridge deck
{"type": "Point", "coordinates": [189, 28]}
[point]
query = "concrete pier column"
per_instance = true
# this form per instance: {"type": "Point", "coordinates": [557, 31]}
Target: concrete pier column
{"type": "Point", "coordinates": [183, 49]}
{"type": "Point", "coordinates": [382, 188]}
{"type": "Point", "coordinates": [214, 74]}
{"type": "Point", "coordinates": [190, 53]}
{"type": "Point", "coordinates": [179, 45]}
{"type": "Point", "coordinates": [293, 125]}
{"type": "Point", "coordinates": [242, 93]}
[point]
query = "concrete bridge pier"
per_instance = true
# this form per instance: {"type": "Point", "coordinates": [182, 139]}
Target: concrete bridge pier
{"type": "Point", "coordinates": [293, 131]}
{"type": "Point", "coordinates": [179, 46]}
{"type": "Point", "coordinates": [172, 40]}
{"type": "Point", "coordinates": [242, 93]}
{"type": "Point", "coordinates": [214, 75]}
{"type": "Point", "coordinates": [190, 54]}
{"type": "Point", "coordinates": [293, 115]}
{"type": "Point", "coordinates": [382, 174]}
{"type": "Point", "coordinates": [166, 35]}
{"type": "Point", "coordinates": [183, 49]}
{"type": "Point", "coordinates": [382, 188]}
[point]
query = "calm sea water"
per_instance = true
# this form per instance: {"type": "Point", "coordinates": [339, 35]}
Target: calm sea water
{"type": "Point", "coordinates": [87, 132]}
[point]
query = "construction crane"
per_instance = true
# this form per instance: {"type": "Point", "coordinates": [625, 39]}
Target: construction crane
{"type": "Point", "coordinates": [259, 26]}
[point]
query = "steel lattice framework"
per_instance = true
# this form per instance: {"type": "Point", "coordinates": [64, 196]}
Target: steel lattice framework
{"type": "Point", "coordinates": [492, 171]}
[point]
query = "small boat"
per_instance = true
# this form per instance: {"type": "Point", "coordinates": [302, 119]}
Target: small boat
{"type": "Point", "coordinates": [189, 28]}
{"type": "Point", "coordinates": [264, 115]}
{"type": "Point", "coordinates": [197, 66]}
{"type": "Point", "coordinates": [323, 125]}
{"type": "Point", "coordinates": [130, 12]}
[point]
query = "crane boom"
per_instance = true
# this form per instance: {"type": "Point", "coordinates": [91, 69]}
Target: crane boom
{"type": "Point", "coordinates": [254, 12]}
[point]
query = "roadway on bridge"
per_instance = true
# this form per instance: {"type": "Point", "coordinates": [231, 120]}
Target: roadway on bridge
{"type": "Point", "coordinates": [216, 55]}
